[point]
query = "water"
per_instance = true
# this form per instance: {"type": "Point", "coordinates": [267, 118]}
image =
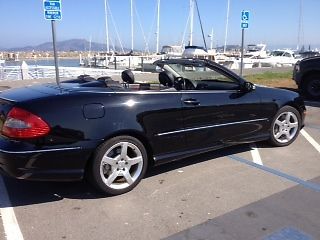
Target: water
{"type": "Point", "coordinates": [63, 62]}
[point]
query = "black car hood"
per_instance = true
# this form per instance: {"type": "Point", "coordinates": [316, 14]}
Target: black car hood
{"type": "Point", "coordinates": [276, 94]}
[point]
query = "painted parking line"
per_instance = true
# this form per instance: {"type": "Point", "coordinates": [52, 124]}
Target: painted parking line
{"type": "Point", "coordinates": [310, 140]}
{"type": "Point", "coordinates": [9, 220]}
{"type": "Point", "coordinates": [306, 184]}
{"type": "Point", "coordinates": [255, 154]}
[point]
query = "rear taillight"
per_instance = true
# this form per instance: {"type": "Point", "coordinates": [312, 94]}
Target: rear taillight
{"type": "Point", "coordinates": [23, 124]}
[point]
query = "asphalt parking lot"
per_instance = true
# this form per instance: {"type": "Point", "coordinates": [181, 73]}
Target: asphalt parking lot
{"type": "Point", "coordinates": [244, 192]}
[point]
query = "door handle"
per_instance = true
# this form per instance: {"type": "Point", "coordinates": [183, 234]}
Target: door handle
{"type": "Point", "coordinates": [191, 101]}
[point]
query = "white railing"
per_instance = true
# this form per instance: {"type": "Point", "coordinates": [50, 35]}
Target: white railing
{"type": "Point", "coordinates": [36, 72]}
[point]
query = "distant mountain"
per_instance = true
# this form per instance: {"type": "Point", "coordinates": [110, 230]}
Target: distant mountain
{"type": "Point", "coordinates": [68, 45]}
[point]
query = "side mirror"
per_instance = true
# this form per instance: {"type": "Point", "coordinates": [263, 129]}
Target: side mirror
{"type": "Point", "coordinates": [248, 86]}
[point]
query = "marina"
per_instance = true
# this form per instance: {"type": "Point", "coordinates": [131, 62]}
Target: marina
{"type": "Point", "coordinates": [99, 66]}
{"type": "Point", "coordinates": [106, 91]}
{"type": "Point", "coordinates": [113, 59]}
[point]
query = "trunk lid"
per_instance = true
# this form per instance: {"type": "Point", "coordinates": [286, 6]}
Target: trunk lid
{"type": "Point", "coordinates": [12, 97]}
{"type": "Point", "coordinates": [28, 93]}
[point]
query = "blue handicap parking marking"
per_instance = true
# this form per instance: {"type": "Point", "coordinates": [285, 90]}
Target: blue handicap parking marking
{"type": "Point", "coordinates": [288, 233]}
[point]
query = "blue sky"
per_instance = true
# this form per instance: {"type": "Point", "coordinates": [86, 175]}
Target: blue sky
{"type": "Point", "coordinates": [274, 22]}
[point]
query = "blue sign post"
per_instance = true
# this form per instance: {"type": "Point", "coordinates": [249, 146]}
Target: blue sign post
{"type": "Point", "coordinates": [52, 12]}
{"type": "Point", "coordinates": [244, 25]}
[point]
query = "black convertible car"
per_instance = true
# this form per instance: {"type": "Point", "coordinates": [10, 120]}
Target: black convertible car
{"type": "Point", "coordinates": [110, 131]}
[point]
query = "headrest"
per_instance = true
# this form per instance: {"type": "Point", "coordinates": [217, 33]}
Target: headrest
{"type": "Point", "coordinates": [127, 76]}
{"type": "Point", "coordinates": [104, 78]}
{"type": "Point", "coordinates": [166, 79]}
{"type": "Point", "coordinates": [85, 78]}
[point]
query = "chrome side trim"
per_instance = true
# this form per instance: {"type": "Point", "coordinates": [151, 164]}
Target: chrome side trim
{"type": "Point", "coordinates": [39, 151]}
{"type": "Point", "coordinates": [211, 126]}
{"type": "Point", "coordinates": [6, 99]}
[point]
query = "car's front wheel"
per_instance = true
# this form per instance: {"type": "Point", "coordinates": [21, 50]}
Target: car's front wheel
{"type": "Point", "coordinates": [285, 126]}
{"type": "Point", "coordinates": [118, 165]}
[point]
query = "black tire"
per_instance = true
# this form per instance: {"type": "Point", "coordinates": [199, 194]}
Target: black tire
{"type": "Point", "coordinates": [311, 86]}
{"type": "Point", "coordinates": [286, 132]}
{"type": "Point", "coordinates": [102, 173]}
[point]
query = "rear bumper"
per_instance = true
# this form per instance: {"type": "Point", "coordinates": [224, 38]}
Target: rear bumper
{"type": "Point", "coordinates": [51, 164]}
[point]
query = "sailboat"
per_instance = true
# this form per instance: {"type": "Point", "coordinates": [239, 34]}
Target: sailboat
{"type": "Point", "coordinates": [192, 51]}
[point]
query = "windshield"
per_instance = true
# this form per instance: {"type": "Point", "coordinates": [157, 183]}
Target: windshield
{"type": "Point", "coordinates": [254, 48]}
{"type": "Point", "coordinates": [277, 53]}
{"type": "Point", "coordinates": [198, 72]}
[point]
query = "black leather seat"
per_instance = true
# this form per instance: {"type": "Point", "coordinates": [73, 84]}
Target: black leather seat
{"type": "Point", "coordinates": [166, 79]}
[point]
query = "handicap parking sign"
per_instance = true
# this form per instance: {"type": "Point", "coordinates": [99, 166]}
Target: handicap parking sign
{"type": "Point", "coordinates": [245, 16]}
{"type": "Point", "coordinates": [245, 19]}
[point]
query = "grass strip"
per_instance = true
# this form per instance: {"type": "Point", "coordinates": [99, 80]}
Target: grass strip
{"type": "Point", "coordinates": [272, 79]}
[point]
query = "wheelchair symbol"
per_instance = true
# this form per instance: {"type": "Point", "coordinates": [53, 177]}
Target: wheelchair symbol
{"type": "Point", "coordinates": [245, 16]}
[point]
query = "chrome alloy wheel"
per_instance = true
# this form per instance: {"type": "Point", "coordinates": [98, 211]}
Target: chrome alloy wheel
{"type": "Point", "coordinates": [285, 127]}
{"type": "Point", "coordinates": [121, 165]}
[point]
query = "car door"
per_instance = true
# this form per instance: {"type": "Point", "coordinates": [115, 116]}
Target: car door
{"type": "Point", "coordinates": [216, 111]}
{"type": "Point", "coordinates": [160, 115]}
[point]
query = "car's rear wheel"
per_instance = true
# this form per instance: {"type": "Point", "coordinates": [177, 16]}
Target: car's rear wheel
{"type": "Point", "coordinates": [285, 126]}
{"type": "Point", "coordinates": [311, 87]}
{"type": "Point", "coordinates": [118, 165]}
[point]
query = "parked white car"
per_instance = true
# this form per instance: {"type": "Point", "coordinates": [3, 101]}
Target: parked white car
{"type": "Point", "coordinates": [278, 58]}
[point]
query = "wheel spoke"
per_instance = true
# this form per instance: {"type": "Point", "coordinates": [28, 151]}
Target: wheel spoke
{"type": "Point", "coordinates": [278, 135]}
{"type": "Point", "coordinates": [288, 117]}
{"type": "Point", "coordinates": [288, 136]}
{"type": "Point", "coordinates": [109, 160]}
{"type": "Point", "coordinates": [128, 177]}
{"type": "Point", "coordinates": [293, 125]}
{"type": "Point", "coordinates": [124, 150]}
{"type": "Point", "coordinates": [278, 122]}
{"type": "Point", "coordinates": [112, 177]}
{"type": "Point", "coordinates": [133, 161]}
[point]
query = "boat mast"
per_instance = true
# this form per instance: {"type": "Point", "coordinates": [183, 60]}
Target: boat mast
{"type": "Point", "coordinates": [191, 22]}
{"type": "Point", "coordinates": [107, 28]}
{"type": "Point", "coordinates": [211, 39]}
{"type": "Point", "coordinates": [131, 12]}
{"type": "Point", "coordinates": [300, 29]}
{"type": "Point", "coordinates": [227, 25]}
{"type": "Point", "coordinates": [158, 26]}
{"type": "Point", "coordinates": [203, 37]}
